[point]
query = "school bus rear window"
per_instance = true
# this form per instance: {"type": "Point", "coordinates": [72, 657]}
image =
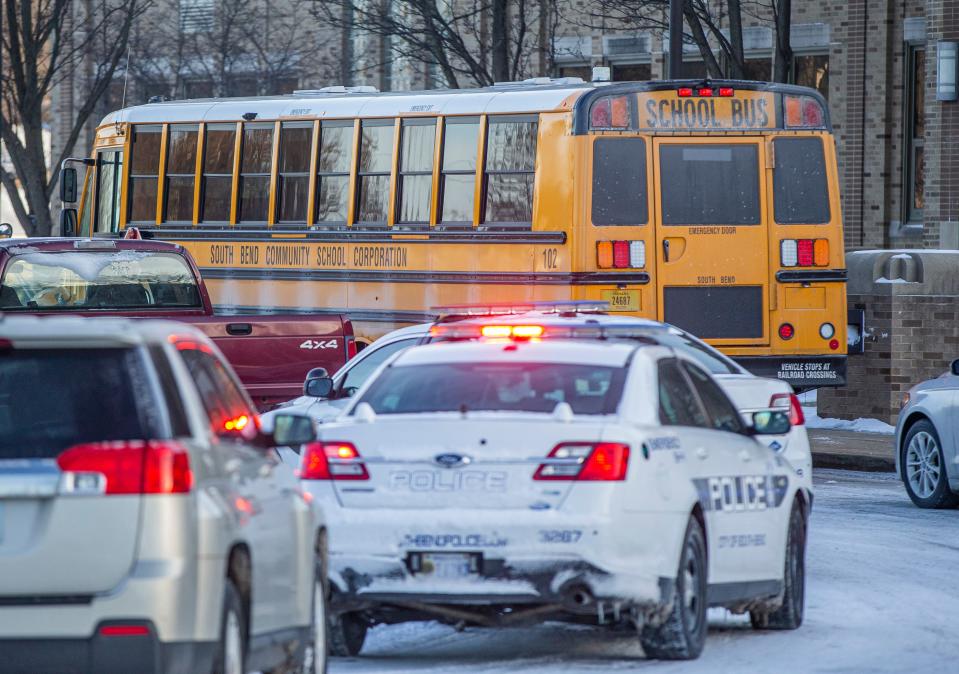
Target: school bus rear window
{"type": "Point", "coordinates": [709, 184]}
{"type": "Point", "coordinates": [619, 181]}
{"type": "Point", "coordinates": [800, 190]}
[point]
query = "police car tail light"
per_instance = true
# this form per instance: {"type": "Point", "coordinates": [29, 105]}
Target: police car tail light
{"type": "Point", "coordinates": [594, 462]}
{"type": "Point", "coordinates": [126, 467]}
{"type": "Point", "coordinates": [332, 461]}
{"type": "Point", "coordinates": [790, 402]}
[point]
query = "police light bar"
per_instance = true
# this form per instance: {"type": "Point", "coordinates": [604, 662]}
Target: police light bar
{"type": "Point", "coordinates": [506, 309]}
{"type": "Point", "coordinates": [478, 330]}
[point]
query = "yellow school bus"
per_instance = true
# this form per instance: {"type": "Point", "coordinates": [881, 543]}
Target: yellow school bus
{"type": "Point", "coordinates": [712, 205]}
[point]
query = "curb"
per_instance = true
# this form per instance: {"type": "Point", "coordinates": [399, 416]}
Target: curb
{"type": "Point", "coordinates": [872, 464]}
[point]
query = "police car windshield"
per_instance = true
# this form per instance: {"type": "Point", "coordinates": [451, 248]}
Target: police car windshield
{"type": "Point", "coordinates": [496, 387]}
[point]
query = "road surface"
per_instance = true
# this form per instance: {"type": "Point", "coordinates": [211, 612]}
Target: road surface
{"type": "Point", "coordinates": [882, 596]}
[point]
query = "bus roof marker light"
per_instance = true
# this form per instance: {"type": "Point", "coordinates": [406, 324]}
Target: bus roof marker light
{"type": "Point", "coordinates": [705, 91]}
{"type": "Point", "coordinates": [726, 92]}
{"type": "Point", "coordinates": [685, 92]}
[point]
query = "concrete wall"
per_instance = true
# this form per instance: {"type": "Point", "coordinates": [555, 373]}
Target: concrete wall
{"type": "Point", "coordinates": [911, 302]}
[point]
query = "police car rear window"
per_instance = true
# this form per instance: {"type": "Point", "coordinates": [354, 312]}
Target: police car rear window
{"type": "Point", "coordinates": [496, 387]}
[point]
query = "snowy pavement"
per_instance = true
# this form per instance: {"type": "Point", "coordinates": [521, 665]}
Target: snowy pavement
{"type": "Point", "coordinates": [881, 597]}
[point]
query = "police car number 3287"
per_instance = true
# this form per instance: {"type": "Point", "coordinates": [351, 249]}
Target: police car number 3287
{"type": "Point", "coordinates": [500, 482]}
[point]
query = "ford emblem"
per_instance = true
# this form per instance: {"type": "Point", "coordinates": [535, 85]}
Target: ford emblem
{"type": "Point", "coordinates": [451, 460]}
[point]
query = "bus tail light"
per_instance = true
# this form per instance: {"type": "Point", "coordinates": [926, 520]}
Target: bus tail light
{"type": "Point", "coordinates": [127, 467]}
{"type": "Point", "coordinates": [332, 461]}
{"type": "Point", "coordinates": [791, 401]}
{"type": "Point", "coordinates": [803, 112]}
{"type": "Point", "coordinates": [621, 254]}
{"type": "Point", "coordinates": [804, 252]}
{"type": "Point", "coordinates": [585, 462]}
{"type": "Point", "coordinates": [786, 331]}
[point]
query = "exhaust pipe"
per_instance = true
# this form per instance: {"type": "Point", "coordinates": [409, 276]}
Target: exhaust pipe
{"type": "Point", "coordinates": [578, 597]}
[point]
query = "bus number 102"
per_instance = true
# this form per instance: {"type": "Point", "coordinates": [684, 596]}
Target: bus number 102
{"type": "Point", "coordinates": [550, 258]}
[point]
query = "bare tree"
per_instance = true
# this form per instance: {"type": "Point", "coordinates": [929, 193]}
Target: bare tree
{"type": "Point", "coordinates": [716, 28]}
{"type": "Point", "coordinates": [451, 36]}
{"type": "Point", "coordinates": [38, 53]}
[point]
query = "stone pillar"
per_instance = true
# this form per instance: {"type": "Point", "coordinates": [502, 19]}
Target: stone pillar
{"type": "Point", "coordinates": [911, 303]}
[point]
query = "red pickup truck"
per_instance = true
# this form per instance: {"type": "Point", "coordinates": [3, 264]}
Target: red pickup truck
{"type": "Point", "coordinates": [271, 353]}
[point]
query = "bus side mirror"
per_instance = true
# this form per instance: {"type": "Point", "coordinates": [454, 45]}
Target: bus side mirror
{"type": "Point", "coordinates": [68, 222]}
{"type": "Point", "coordinates": [955, 366]}
{"type": "Point", "coordinates": [68, 185]}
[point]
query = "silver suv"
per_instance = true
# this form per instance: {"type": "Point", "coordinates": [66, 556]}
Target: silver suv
{"type": "Point", "coordinates": [147, 524]}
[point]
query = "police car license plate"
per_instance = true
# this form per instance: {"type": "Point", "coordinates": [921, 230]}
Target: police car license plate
{"type": "Point", "coordinates": [448, 564]}
{"type": "Point", "coordinates": [621, 300]}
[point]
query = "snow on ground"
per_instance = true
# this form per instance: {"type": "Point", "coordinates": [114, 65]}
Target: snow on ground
{"type": "Point", "coordinates": [881, 597]}
{"type": "Point", "coordinates": [813, 420]}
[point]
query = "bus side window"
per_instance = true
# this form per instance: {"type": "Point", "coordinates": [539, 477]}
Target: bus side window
{"type": "Point", "coordinates": [510, 166]}
{"type": "Point", "coordinates": [619, 182]}
{"type": "Point", "coordinates": [800, 188]}
{"type": "Point", "coordinates": [144, 172]}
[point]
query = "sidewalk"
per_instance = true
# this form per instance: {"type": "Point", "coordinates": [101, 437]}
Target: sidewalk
{"type": "Point", "coordinates": [852, 450]}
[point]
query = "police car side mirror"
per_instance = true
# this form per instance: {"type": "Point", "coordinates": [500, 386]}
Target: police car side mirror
{"type": "Point", "coordinates": [770, 423]}
{"type": "Point", "coordinates": [290, 430]}
{"type": "Point", "coordinates": [318, 383]}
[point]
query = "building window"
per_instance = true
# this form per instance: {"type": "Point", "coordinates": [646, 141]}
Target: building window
{"type": "Point", "coordinates": [812, 70]}
{"type": "Point", "coordinates": [915, 129]}
{"type": "Point", "coordinates": [256, 158]}
{"type": "Point", "coordinates": [333, 172]}
{"type": "Point", "coordinates": [417, 144]}
{"type": "Point", "coordinates": [293, 181]}
{"type": "Point", "coordinates": [510, 169]}
{"type": "Point", "coordinates": [458, 179]}
{"type": "Point", "coordinates": [218, 172]}
{"type": "Point", "coordinates": [196, 16]}
{"type": "Point", "coordinates": [758, 69]}
{"type": "Point", "coordinates": [631, 72]}
{"type": "Point", "coordinates": [373, 172]}
{"type": "Point", "coordinates": [180, 172]}
{"type": "Point", "coordinates": [144, 173]}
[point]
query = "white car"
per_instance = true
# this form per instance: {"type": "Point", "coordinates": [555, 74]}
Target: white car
{"type": "Point", "coordinates": [505, 481]}
{"type": "Point", "coordinates": [749, 392]}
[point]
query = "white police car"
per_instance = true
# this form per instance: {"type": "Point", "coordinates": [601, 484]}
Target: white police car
{"type": "Point", "coordinates": [505, 481]}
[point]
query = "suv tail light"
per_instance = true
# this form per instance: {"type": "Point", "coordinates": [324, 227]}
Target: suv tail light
{"type": "Point", "coordinates": [583, 461]}
{"type": "Point", "coordinates": [789, 400]}
{"type": "Point", "coordinates": [332, 461]}
{"type": "Point", "coordinates": [127, 467]}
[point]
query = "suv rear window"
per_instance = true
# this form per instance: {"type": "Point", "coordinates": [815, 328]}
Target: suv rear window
{"type": "Point", "coordinates": [126, 279]}
{"type": "Point", "coordinates": [496, 387]}
{"type": "Point", "coordinates": [53, 399]}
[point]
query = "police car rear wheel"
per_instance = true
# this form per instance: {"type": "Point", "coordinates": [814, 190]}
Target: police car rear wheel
{"type": "Point", "coordinates": [789, 616]}
{"type": "Point", "coordinates": [347, 632]}
{"type": "Point", "coordinates": [682, 635]}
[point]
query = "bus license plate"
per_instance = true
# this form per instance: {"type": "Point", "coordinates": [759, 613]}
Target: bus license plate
{"type": "Point", "coordinates": [621, 300]}
{"type": "Point", "coordinates": [448, 565]}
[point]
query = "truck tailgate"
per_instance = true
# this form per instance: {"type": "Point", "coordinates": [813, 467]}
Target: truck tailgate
{"type": "Point", "coordinates": [272, 353]}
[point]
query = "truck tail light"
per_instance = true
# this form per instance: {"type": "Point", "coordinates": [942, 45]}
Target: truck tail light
{"type": "Point", "coordinates": [804, 252]}
{"type": "Point", "coordinates": [790, 401]}
{"type": "Point", "coordinates": [350, 346]}
{"type": "Point", "coordinates": [584, 461]}
{"type": "Point", "coordinates": [621, 254]}
{"type": "Point", "coordinates": [332, 461]}
{"type": "Point", "coordinates": [127, 467]}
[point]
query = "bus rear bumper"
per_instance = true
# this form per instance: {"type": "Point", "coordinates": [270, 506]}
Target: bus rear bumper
{"type": "Point", "coordinates": [802, 372]}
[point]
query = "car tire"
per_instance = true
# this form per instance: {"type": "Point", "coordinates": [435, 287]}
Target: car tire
{"type": "Point", "coordinates": [346, 633]}
{"type": "Point", "coordinates": [923, 466]}
{"type": "Point", "coordinates": [230, 655]}
{"type": "Point", "coordinates": [315, 651]}
{"type": "Point", "coordinates": [682, 635]}
{"type": "Point", "coordinates": [789, 615]}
